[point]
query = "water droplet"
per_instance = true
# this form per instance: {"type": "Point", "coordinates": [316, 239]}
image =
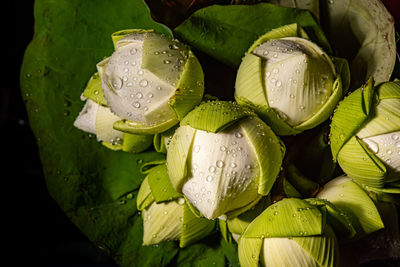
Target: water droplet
{"type": "Point", "coordinates": [222, 148]}
{"type": "Point", "coordinates": [165, 212]}
{"type": "Point", "coordinates": [220, 164]}
{"type": "Point", "coordinates": [133, 51]}
{"type": "Point", "coordinates": [275, 70]}
{"type": "Point", "coordinates": [211, 169]}
{"type": "Point", "coordinates": [331, 2]}
{"type": "Point", "coordinates": [181, 201]}
{"type": "Point", "coordinates": [247, 166]}
{"type": "Point", "coordinates": [149, 95]}
{"type": "Point", "coordinates": [268, 74]}
{"type": "Point", "coordinates": [389, 151]}
{"type": "Point", "coordinates": [143, 83]}
{"type": "Point", "coordinates": [301, 107]}
{"type": "Point", "coordinates": [116, 83]}
{"type": "Point", "coordinates": [275, 55]}
{"type": "Point", "coordinates": [275, 213]}
{"type": "Point", "coordinates": [139, 95]}
{"type": "Point", "coordinates": [233, 165]}
{"type": "Point", "coordinates": [167, 61]}
{"type": "Point", "coordinates": [159, 88]}
{"type": "Point", "coordinates": [291, 96]}
{"type": "Point", "coordinates": [238, 135]}
{"type": "Point", "coordinates": [395, 137]}
{"type": "Point", "coordinates": [279, 83]}
{"type": "Point", "coordinates": [136, 104]}
{"type": "Point", "coordinates": [140, 72]}
{"type": "Point", "coordinates": [372, 145]}
{"type": "Point", "coordinates": [209, 178]}
{"type": "Point", "coordinates": [265, 53]}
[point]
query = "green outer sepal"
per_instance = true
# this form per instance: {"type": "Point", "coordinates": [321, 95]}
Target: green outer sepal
{"type": "Point", "coordinates": [132, 127]}
{"type": "Point", "coordinates": [116, 36]}
{"type": "Point", "coordinates": [135, 143]}
{"type": "Point", "coordinates": [94, 91]}
{"type": "Point", "coordinates": [159, 139]}
{"type": "Point", "coordinates": [344, 223]}
{"type": "Point", "coordinates": [160, 185]}
{"type": "Point", "coordinates": [214, 116]}
{"type": "Point", "coordinates": [350, 115]}
{"type": "Point", "coordinates": [370, 170]}
{"type": "Point", "coordinates": [177, 156]}
{"type": "Point", "coordinates": [260, 138]}
{"type": "Point", "coordinates": [144, 197]}
{"type": "Point", "coordinates": [286, 218]}
{"type": "Point", "coordinates": [190, 87]}
{"type": "Point", "coordinates": [194, 228]}
{"type": "Point", "coordinates": [223, 229]}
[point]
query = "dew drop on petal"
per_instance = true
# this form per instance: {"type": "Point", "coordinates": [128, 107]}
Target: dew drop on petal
{"type": "Point", "coordinates": [143, 83]}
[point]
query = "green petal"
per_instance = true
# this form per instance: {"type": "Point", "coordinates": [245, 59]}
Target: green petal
{"type": "Point", "coordinates": [223, 229]}
{"type": "Point", "coordinates": [94, 91]}
{"type": "Point", "coordinates": [117, 36]}
{"type": "Point", "coordinates": [194, 228]}
{"type": "Point", "coordinates": [163, 57]}
{"type": "Point", "coordinates": [350, 197]}
{"type": "Point", "coordinates": [160, 185]}
{"type": "Point", "coordinates": [345, 224]}
{"type": "Point", "coordinates": [287, 218]}
{"type": "Point", "coordinates": [350, 115]}
{"type": "Point", "coordinates": [162, 140]}
{"type": "Point", "coordinates": [291, 30]}
{"type": "Point", "coordinates": [135, 143]}
{"type": "Point", "coordinates": [268, 149]}
{"type": "Point", "coordinates": [190, 88]}
{"type": "Point", "coordinates": [249, 85]}
{"type": "Point", "coordinates": [359, 163]}
{"type": "Point", "coordinates": [238, 225]}
{"type": "Point", "coordinates": [389, 90]}
{"type": "Point", "coordinates": [386, 119]}
{"type": "Point", "coordinates": [249, 251]}
{"type": "Point", "coordinates": [144, 197]}
{"type": "Point", "coordinates": [343, 70]}
{"type": "Point", "coordinates": [132, 127]}
{"type": "Point", "coordinates": [323, 249]}
{"type": "Point", "coordinates": [214, 116]}
{"type": "Point", "coordinates": [290, 190]}
{"type": "Point", "coordinates": [325, 110]}
{"type": "Point", "coordinates": [177, 155]}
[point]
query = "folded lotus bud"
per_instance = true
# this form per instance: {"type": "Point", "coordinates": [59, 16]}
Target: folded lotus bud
{"type": "Point", "coordinates": [290, 232]}
{"type": "Point", "coordinates": [96, 118]}
{"type": "Point", "coordinates": [348, 196]}
{"type": "Point", "coordinates": [150, 81]}
{"type": "Point", "coordinates": [365, 136]}
{"type": "Point", "coordinates": [166, 215]}
{"type": "Point", "coordinates": [289, 81]}
{"type": "Point", "coordinates": [223, 158]}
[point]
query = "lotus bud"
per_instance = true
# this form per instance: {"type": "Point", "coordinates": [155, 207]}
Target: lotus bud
{"type": "Point", "coordinates": [290, 81]}
{"type": "Point", "coordinates": [365, 136]}
{"type": "Point", "coordinates": [166, 215]}
{"type": "Point", "coordinates": [96, 118]}
{"type": "Point", "coordinates": [223, 158]}
{"type": "Point", "coordinates": [150, 81]}
{"type": "Point", "coordinates": [290, 232]}
{"type": "Point", "coordinates": [351, 199]}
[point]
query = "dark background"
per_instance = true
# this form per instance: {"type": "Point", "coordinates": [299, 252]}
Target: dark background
{"type": "Point", "coordinates": [36, 229]}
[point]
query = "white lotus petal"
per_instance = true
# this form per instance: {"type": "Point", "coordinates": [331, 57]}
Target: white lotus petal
{"type": "Point", "coordinates": [284, 252]}
{"type": "Point", "coordinates": [104, 126]}
{"type": "Point", "coordinates": [134, 93]}
{"type": "Point", "coordinates": [86, 120]}
{"type": "Point", "coordinates": [298, 77]}
{"type": "Point", "coordinates": [387, 148]}
{"type": "Point", "coordinates": [223, 172]}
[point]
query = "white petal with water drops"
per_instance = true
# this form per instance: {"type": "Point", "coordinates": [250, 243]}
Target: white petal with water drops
{"type": "Point", "coordinates": [387, 148]}
{"type": "Point", "coordinates": [222, 177]}
{"type": "Point", "coordinates": [123, 78]}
